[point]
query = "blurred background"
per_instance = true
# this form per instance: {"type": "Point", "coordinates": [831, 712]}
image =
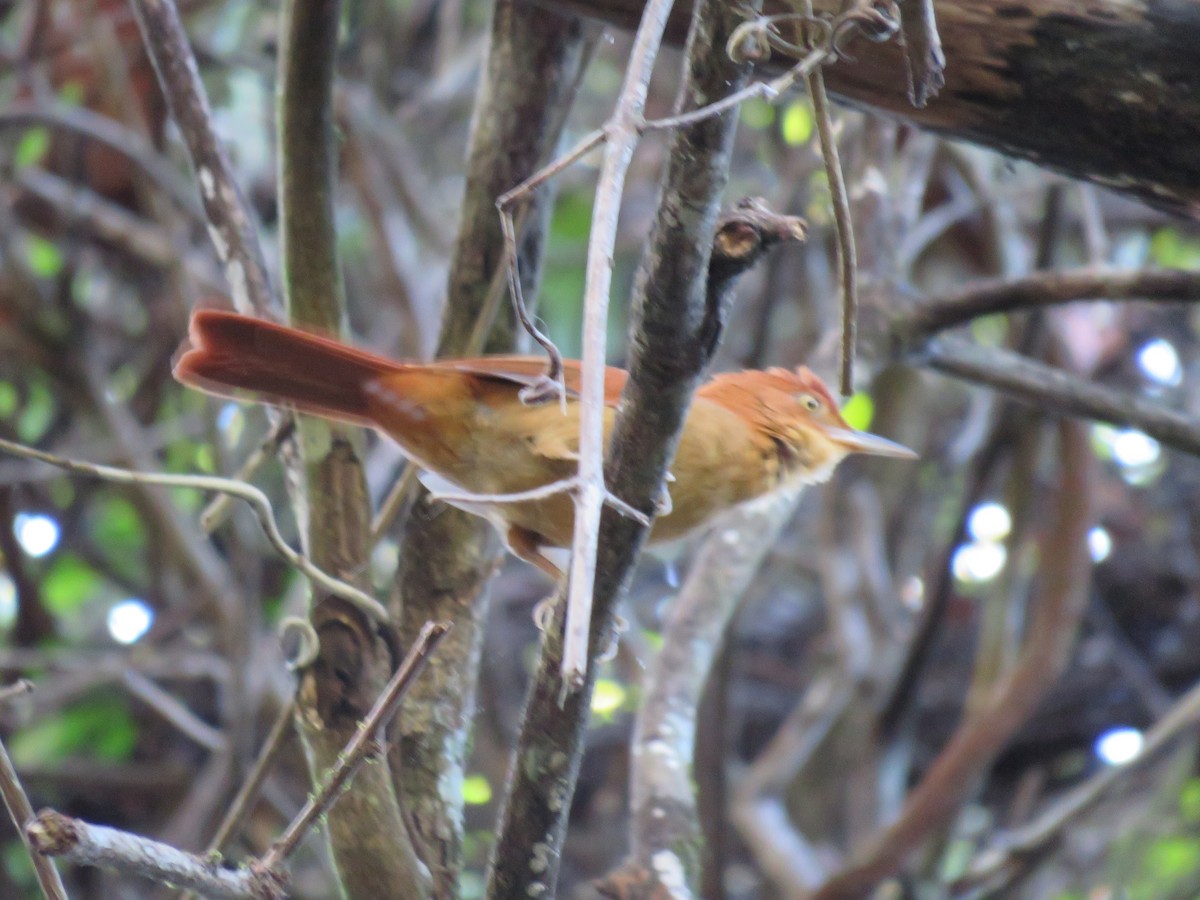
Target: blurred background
{"type": "Point", "coordinates": [151, 697]}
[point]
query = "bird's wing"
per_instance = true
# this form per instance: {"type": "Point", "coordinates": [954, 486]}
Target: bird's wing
{"type": "Point", "coordinates": [528, 370]}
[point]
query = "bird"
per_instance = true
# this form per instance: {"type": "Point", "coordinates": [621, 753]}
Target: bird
{"type": "Point", "coordinates": [469, 425]}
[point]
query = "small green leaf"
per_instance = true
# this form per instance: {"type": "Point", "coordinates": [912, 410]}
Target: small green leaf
{"type": "Point", "coordinates": [797, 124]}
{"type": "Point", "coordinates": [102, 728]}
{"type": "Point", "coordinates": [859, 411]}
{"type": "Point", "coordinates": [1173, 857]}
{"type": "Point", "coordinates": [44, 257]}
{"type": "Point", "coordinates": [1189, 800]}
{"type": "Point", "coordinates": [757, 114]}
{"type": "Point", "coordinates": [72, 93]}
{"type": "Point", "coordinates": [32, 147]}
{"type": "Point", "coordinates": [117, 525]}
{"type": "Point", "coordinates": [608, 697]}
{"type": "Point", "coordinates": [476, 790]}
{"type": "Point", "coordinates": [69, 584]}
{"type": "Point", "coordinates": [8, 399]}
{"type": "Point", "coordinates": [37, 413]}
{"type": "Point", "coordinates": [1173, 250]}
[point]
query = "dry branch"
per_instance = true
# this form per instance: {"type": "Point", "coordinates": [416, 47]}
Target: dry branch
{"type": "Point", "coordinates": [82, 843]}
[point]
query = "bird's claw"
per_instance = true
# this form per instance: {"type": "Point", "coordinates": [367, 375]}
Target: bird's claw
{"type": "Point", "coordinates": [620, 626]}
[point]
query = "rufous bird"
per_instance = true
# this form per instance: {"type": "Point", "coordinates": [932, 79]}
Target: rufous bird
{"type": "Point", "coordinates": [463, 420]}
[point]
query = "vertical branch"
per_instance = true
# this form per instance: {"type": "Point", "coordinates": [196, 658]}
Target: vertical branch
{"type": "Point", "coordinates": [666, 825]}
{"type": "Point", "coordinates": [678, 326]}
{"type": "Point", "coordinates": [371, 846]}
{"type": "Point", "coordinates": [535, 61]}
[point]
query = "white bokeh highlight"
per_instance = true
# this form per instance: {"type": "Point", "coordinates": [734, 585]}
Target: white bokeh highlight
{"type": "Point", "coordinates": [1118, 746]}
{"type": "Point", "coordinates": [129, 620]}
{"type": "Point", "coordinates": [37, 534]}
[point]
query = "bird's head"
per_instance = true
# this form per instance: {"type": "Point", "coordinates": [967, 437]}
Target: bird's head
{"type": "Point", "coordinates": [798, 412]}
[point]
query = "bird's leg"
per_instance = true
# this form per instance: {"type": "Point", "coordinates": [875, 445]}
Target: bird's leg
{"type": "Point", "coordinates": [527, 545]}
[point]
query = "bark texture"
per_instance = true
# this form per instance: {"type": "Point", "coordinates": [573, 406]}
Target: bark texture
{"type": "Point", "coordinates": [1105, 90]}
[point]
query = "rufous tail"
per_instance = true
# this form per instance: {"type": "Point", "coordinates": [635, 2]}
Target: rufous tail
{"type": "Point", "coordinates": [232, 355]}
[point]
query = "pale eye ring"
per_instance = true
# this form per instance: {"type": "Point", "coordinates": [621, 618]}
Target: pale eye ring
{"type": "Point", "coordinates": [811, 403]}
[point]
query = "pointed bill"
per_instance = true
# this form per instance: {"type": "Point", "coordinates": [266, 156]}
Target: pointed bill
{"type": "Point", "coordinates": [873, 444]}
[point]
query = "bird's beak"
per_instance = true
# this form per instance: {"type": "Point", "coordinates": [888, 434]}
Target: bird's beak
{"type": "Point", "coordinates": [873, 444]}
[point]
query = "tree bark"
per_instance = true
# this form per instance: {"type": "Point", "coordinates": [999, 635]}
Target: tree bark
{"type": "Point", "coordinates": [1107, 90]}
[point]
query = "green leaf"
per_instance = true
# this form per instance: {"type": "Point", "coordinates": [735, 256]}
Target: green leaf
{"type": "Point", "coordinates": [38, 412]}
{"type": "Point", "coordinates": [101, 728]}
{"type": "Point", "coordinates": [1172, 857]}
{"type": "Point", "coordinates": [31, 147]}
{"type": "Point", "coordinates": [69, 584]}
{"type": "Point", "coordinates": [757, 114]}
{"type": "Point", "coordinates": [608, 697]}
{"type": "Point", "coordinates": [797, 124]}
{"type": "Point", "coordinates": [117, 525]}
{"type": "Point", "coordinates": [44, 257]}
{"type": "Point", "coordinates": [859, 411]}
{"type": "Point", "coordinates": [1189, 800]}
{"type": "Point", "coordinates": [476, 790]}
{"type": "Point", "coordinates": [9, 397]}
{"type": "Point", "coordinates": [1173, 250]}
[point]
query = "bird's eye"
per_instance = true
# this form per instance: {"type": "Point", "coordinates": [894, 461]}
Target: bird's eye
{"type": "Point", "coordinates": [811, 403]}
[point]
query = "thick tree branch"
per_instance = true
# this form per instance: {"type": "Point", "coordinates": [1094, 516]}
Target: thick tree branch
{"type": "Point", "coordinates": [666, 837]}
{"type": "Point", "coordinates": [534, 64]}
{"type": "Point", "coordinates": [1104, 91]}
{"type": "Point", "coordinates": [372, 848]}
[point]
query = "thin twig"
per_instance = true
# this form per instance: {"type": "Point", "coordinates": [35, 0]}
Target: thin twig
{"type": "Point", "coordinates": [75, 841]}
{"type": "Point", "coordinates": [231, 224]}
{"type": "Point", "coordinates": [563, 486]}
{"type": "Point", "coordinates": [21, 812]}
{"type": "Point", "coordinates": [249, 493]}
{"type": "Point", "coordinates": [846, 252]}
{"type": "Point", "coordinates": [364, 741]}
{"type": "Point", "coordinates": [18, 688]}
{"type": "Point", "coordinates": [393, 503]}
{"type": "Point", "coordinates": [174, 711]}
{"type": "Point", "coordinates": [240, 807]}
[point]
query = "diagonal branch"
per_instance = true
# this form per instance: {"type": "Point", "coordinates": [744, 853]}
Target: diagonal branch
{"type": "Point", "coordinates": [1057, 390]}
{"type": "Point", "coordinates": [231, 224]}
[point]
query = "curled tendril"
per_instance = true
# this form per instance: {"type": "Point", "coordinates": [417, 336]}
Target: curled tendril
{"type": "Point", "coordinates": [308, 644]}
{"type": "Point", "coordinates": [749, 43]}
{"type": "Point", "coordinates": [876, 21]}
{"type": "Point", "coordinates": [754, 39]}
